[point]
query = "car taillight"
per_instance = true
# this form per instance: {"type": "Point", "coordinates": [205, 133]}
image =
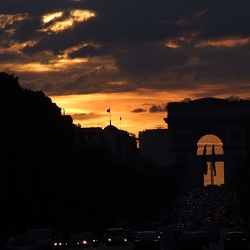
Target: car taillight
{"type": "Point", "coordinates": [156, 240]}
{"type": "Point", "coordinates": [244, 238]}
{"type": "Point", "coordinates": [137, 240]}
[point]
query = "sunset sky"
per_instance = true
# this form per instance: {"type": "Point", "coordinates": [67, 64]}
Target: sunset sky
{"type": "Point", "coordinates": [132, 56]}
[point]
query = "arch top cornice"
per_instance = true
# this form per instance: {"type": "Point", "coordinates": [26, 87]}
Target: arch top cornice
{"type": "Point", "coordinates": [207, 110]}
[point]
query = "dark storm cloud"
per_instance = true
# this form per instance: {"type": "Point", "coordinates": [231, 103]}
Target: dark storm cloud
{"type": "Point", "coordinates": [34, 7]}
{"type": "Point", "coordinates": [86, 51]}
{"type": "Point", "coordinates": [225, 18]}
{"type": "Point", "coordinates": [27, 29]}
{"type": "Point", "coordinates": [164, 45]}
{"type": "Point", "coordinates": [145, 20]}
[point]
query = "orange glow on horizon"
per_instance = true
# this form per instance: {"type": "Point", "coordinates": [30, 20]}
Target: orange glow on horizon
{"type": "Point", "coordinates": [90, 110]}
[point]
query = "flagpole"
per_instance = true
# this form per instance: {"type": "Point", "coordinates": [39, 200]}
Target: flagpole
{"type": "Point", "coordinates": [212, 166]}
{"type": "Point", "coordinates": [212, 173]}
{"type": "Point", "coordinates": [109, 117]}
{"type": "Point", "coordinates": [109, 111]}
{"type": "Point", "coordinates": [213, 160]}
{"type": "Point", "coordinates": [204, 160]}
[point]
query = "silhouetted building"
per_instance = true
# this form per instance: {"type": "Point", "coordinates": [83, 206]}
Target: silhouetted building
{"type": "Point", "coordinates": [120, 143]}
{"type": "Point", "coordinates": [88, 136]}
{"type": "Point", "coordinates": [190, 120]}
{"type": "Point", "coordinates": [153, 144]}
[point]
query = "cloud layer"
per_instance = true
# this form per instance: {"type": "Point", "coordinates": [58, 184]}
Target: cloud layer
{"type": "Point", "coordinates": [109, 46]}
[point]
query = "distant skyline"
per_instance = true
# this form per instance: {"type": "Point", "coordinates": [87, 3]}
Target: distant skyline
{"type": "Point", "coordinates": [133, 56]}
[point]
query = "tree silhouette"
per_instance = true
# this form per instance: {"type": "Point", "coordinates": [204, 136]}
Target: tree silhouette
{"type": "Point", "coordinates": [48, 180]}
{"type": "Point", "coordinates": [36, 145]}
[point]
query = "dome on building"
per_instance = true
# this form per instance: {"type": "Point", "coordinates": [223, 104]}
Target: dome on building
{"type": "Point", "coordinates": [111, 127]}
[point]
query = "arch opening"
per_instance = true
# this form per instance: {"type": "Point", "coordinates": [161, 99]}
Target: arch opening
{"type": "Point", "coordinates": [210, 149]}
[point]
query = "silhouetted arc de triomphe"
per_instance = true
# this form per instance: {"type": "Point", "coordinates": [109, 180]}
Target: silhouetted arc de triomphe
{"type": "Point", "coordinates": [189, 121]}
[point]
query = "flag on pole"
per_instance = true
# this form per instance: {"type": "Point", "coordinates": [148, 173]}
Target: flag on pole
{"type": "Point", "coordinates": [205, 160]}
{"type": "Point", "coordinates": [120, 118]}
{"type": "Point", "coordinates": [213, 160]}
{"type": "Point", "coordinates": [108, 110]}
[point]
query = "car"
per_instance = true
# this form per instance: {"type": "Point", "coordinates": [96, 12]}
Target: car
{"type": "Point", "coordinates": [203, 238]}
{"type": "Point", "coordinates": [85, 239]}
{"type": "Point", "coordinates": [147, 240]}
{"type": "Point", "coordinates": [88, 238]}
{"type": "Point", "coordinates": [43, 237]}
{"type": "Point", "coordinates": [95, 239]}
{"type": "Point", "coordinates": [236, 240]}
{"type": "Point", "coordinates": [128, 233]}
{"type": "Point", "coordinates": [73, 240]}
{"type": "Point", "coordinates": [191, 240]}
{"type": "Point", "coordinates": [22, 242]}
{"type": "Point", "coordinates": [114, 237]}
{"type": "Point", "coordinates": [60, 242]}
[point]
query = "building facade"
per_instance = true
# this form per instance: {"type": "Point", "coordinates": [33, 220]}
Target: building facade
{"type": "Point", "coordinates": [121, 144]}
{"type": "Point", "coordinates": [153, 145]}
